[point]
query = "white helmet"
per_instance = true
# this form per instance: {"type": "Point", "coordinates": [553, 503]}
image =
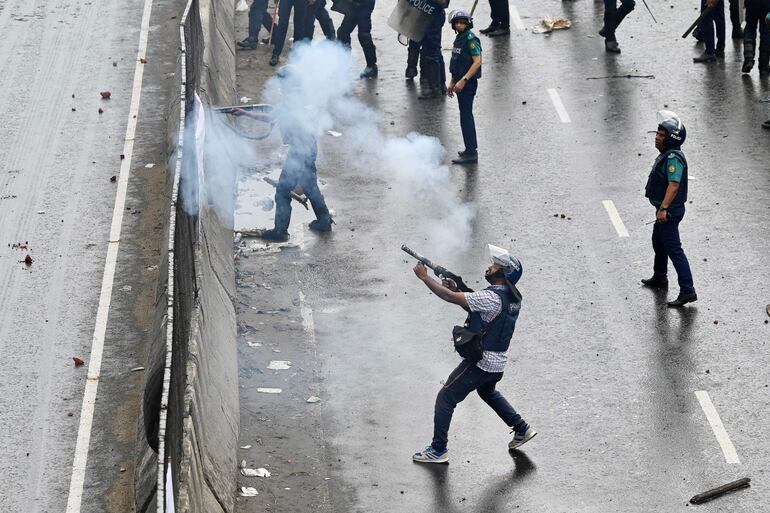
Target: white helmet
{"type": "Point", "coordinates": [511, 265]}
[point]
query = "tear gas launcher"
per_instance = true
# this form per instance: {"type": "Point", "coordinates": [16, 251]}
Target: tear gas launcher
{"type": "Point", "coordinates": [439, 271]}
{"type": "Point", "coordinates": [250, 121]}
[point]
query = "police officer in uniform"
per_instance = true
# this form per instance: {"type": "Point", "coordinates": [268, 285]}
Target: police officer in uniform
{"type": "Point", "coordinates": [361, 17]}
{"type": "Point", "coordinates": [465, 70]}
{"type": "Point", "coordinates": [431, 61]}
{"type": "Point", "coordinates": [613, 16]}
{"type": "Point", "coordinates": [492, 312]}
{"type": "Point", "coordinates": [667, 191]}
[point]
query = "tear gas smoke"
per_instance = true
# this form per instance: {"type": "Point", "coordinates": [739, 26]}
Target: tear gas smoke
{"type": "Point", "coordinates": [315, 91]}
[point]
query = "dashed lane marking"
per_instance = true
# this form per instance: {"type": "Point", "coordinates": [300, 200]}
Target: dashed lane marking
{"type": "Point", "coordinates": [80, 460]}
{"type": "Point", "coordinates": [728, 449]}
{"type": "Point", "coordinates": [515, 18]}
{"type": "Point", "coordinates": [617, 222]}
{"type": "Point", "coordinates": [557, 103]}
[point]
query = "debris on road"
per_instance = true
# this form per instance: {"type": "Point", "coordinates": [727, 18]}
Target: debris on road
{"type": "Point", "coordinates": [251, 472]}
{"type": "Point", "coordinates": [248, 491]}
{"type": "Point", "coordinates": [245, 99]}
{"type": "Point", "coordinates": [621, 76]}
{"type": "Point", "coordinates": [28, 260]}
{"type": "Point", "coordinates": [333, 133]}
{"type": "Point", "coordinates": [143, 60]}
{"type": "Point", "coordinates": [137, 369]}
{"type": "Point", "coordinates": [721, 490]}
{"type": "Point", "coordinates": [242, 6]}
{"type": "Point", "coordinates": [313, 399]}
{"type": "Point", "coordinates": [150, 165]}
{"type": "Point", "coordinates": [269, 390]}
{"type": "Point", "coordinates": [41, 211]}
{"type": "Point", "coordinates": [106, 95]}
{"type": "Point", "coordinates": [101, 110]}
{"type": "Point", "coordinates": [767, 310]}
{"type": "Point", "coordinates": [254, 344]}
{"type": "Point", "coordinates": [78, 361]}
{"type": "Point", "coordinates": [279, 365]}
{"type": "Point", "coordinates": [547, 25]}
{"type": "Point", "coordinates": [245, 447]}
{"type": "Point", "coordinates": [113, 178]}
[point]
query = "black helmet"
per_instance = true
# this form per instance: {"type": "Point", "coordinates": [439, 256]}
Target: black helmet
{"type": "Point", "coordinates": [676, 133]}
{"type": "Point", "coordinates": [460, 15]}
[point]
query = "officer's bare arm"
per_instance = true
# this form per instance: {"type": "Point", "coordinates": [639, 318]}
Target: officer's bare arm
{"type": "Point", "coordinates": [448, 295]}
{"type": "Point", "coordinates": [474, 68]}
{"type": "Point", "coordinates": [671, 191]}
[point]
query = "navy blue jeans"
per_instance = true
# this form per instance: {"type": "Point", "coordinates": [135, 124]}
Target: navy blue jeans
{"type": "Point", "coordinates": [466, 378]}
{"type": "Point", "coordinates": [666, 243]}
{"type": "Point", "coordinates": [258, 15]}
{"type": "Point", "coordinates": [467, 123]}
{"type": "Point", "coordinates": [613, 16]}
{"type": "Point", "coordinates": [715, 19]}
{"type": "Point", "coordinates": [298, 171]}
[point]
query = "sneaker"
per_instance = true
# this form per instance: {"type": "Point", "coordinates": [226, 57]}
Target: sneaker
{"type": "Point", "coordinates": [521, 437]}
{"type": "Point", "coordinates": [321, 225]}
{"type": "Point", "coordinates": [431, 455]}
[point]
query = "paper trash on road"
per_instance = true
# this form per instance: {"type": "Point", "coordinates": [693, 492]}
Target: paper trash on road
{"type": "Point", "coordinates": [333, 133]}
{"type": "Point", "coordinates": [248, 491]}
{"type": "Point", "coordinates": [255, 472]}
{"type": "Point", "coordinates": [279, 365]}
{"type": "Point", "coordinates": [269, 390]}
{"type": "Point", "coordinates": [245, 447]}
{"type": "Point", "coordinates": [547, 25]}
{"type": "Point", "coordinates": [313, 399]}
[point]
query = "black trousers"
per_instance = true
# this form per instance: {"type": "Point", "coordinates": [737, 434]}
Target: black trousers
{"type": "Point", "coordinates": [285, 7]}
{"type": "Point", "coordinates": [501, 15]}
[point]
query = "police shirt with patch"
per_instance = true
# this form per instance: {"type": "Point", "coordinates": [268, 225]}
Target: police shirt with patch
{"type": "Point", "coordinates": [674, 169]}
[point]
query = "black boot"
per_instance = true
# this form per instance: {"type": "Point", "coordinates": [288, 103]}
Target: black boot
{"type": "Point", "coordinates": [492, 27]}
{"type": "Point", "coordinates": [273, 235]}
{"type": "Point", "coordinates": [655, 282]}
{"type": "Point", "coordinates": [749, 49]}
{"type": "Point", "coordinates": [432, 76]}
{"type": "Point", "coordinates": [321, 225]}
{"type": "Point", "coordinates": [412, 56]}
{"type": "Point", "coordinates": [683, 299]}
{"type": "Point", "coordinates": [611, 47]}
{"type": "Point", "coordinates": [763, 63]}
{"type": "Point", "coordinates": [442, 79]}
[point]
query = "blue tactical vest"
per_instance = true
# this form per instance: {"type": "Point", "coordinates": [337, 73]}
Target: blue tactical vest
{"type": "Point", "coordinates": [657, 182]}
{"type": "Point", "coordinates": [462, 60]}
{"type": "Point", "coordinates": [500, 331]}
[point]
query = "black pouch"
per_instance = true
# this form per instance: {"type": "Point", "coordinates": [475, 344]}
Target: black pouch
{"type": "Point", "coordinates": [467, 343]}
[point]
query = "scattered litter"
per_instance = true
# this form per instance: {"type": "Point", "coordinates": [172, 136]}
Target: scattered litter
{"type": "Point", "coordinates": [245, 99]}
{"type": "Point", "coordinates": [78, 361]}
{"type": "Point", "coordinates": [114, 64]}
{"type": "Point", "coordinates": [137, 369]}
{"type": "Point", "coordinates": [101, 110]}
{"type": "Point", "coordinates": [721, 490]}
{"type": "Point", "coordinates": [245, 447]}
{"type": "Point", "coordinates": [547, 25]}
{"type": "Point", "coordinates": [143, 60]}
{"type": "Point", "coordinates": [28, 260]}
{"type": "Point", "coordinates": [242, 6]}
{"type": "Point", "coordinates": [126, 288]}
{"type": "Point", "coordinates": [41, 211]}
{"type": "Point", "coordinates": [269, 390]}
{"type": "Point", "coordinates": [254, 344]}
{"type": "Point", "coordinates": [248, 491]}
{"type": "Point", "coordinates": [333, 133]}
{"type": "Point", "coordinates": [106, 95]}
{"type": "Point", "coordinates": [113, 178]}
{"type": "Point", "coordinates": [313, 399]}
{"type": "Point", "coordinates": [237, 238]}
{"type": "Point", "coordinates": [259, 472]}
{"type": "Point", "coordinates": [279, 365]}
{"type": "Point", "coordinates": [150, 165]}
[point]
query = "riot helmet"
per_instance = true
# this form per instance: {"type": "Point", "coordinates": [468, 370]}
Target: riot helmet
{"type": "Point", "coordinates": [675, 130]}
{"type": "Point", "coordinates": [510, 265]}
{"type": "Point", "coordinates": [460, 15]}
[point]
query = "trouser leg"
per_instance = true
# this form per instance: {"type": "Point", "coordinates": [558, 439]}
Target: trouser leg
{"type": "Point", "coordinates": [365, 34]}
{"type": "Point", "coordinates": [302, 14]}
{"type": "Point", "coordinates": [669, 234]}
{"type": "Point", "coordinates": [735, 14]}
{"type": "Point", "coordinates": [500, 13]}
{"type": "Point", "coordinates": [309, 185]}
{"type": "Point", "coordinates": [660, 267]}
{"type": "Point", "coordinates": [707, 28]}
{"type": "Point", "coordinates": [610, 11]}
{"type": "Point", "coordinates": [286, 184]}
{"type": "Point", "coordinates": [719, 22]}
{"type": "Point", "coordinates": [462, 381]}
{"type": "Point", "coordinates": [467, 122]}
{"type": "Point", "coordinates": [279, 33]}
{"type": "Point", "coordinates": [256, 11]}
{"type": "Point", "coordinates": [325, 21]}
{"type": "Point", "coordinates": [346, 28]}
{"type": "Point", "coordinates": [495, 400]}
{"type": "Point", "coordinates": [626, 6]}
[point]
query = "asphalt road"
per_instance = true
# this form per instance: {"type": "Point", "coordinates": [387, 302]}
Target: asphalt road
{"type": "Point", "coordinates": [599, 366]}
{"type": "Point", "coordinates": [57, 154]}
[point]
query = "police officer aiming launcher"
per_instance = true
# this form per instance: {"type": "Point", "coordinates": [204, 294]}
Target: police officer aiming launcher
{"type": "Point", "coordinates": [483, 343]}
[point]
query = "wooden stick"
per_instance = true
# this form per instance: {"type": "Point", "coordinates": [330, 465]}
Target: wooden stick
{"type": "Point", "coordinates": [697, 22]}
{"type": "Point", "coordinates": [721, 490]}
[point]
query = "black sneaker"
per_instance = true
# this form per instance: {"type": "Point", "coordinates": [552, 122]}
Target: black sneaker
{"type": "Point", "coordinates": [369, 72]}
{"type": "Point", "coordinates": [466, 158]}
{"type": "Point", "coordinates": [502, 31]}
{"type": "Point", "coordinates": [655, 282]}
{"type": "Point", "coordinates": [704, 58]}
{"type": "Point", "coordinates": [611, 47]}
{"type": "Point", "coordinates": [273, 236]}
{"type": "Point", "coordinates": [273, 60]}
{"type": "Point", "coordinates": [248, 44]}
{"type": "Point", "coordinates": [682, 300]}
{"type": "Point", "coordinates": [321, 225]}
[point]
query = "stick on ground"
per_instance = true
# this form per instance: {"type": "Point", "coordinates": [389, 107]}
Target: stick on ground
{"type": "Point", "coordinates": [721, 490]}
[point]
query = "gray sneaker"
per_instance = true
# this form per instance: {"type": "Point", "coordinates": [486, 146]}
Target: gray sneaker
{"type": "Point", "coordinates": [521, 437]}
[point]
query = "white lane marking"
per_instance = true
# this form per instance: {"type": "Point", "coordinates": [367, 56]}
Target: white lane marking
{"type": "Point", "coordinates": [102, 314]}
{"type": "Point", "coordinates": [557, 103]}
{"type": "Point", "coordinates": [617, 222]}
{"type": "Point", "coordinates": [516, 18]}
{"type": "Point", "coordinates": [728, 449]}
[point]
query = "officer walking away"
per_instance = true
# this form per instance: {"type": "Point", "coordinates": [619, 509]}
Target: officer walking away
{"type": "Point", "coordinates": [361, 17]}
{"type": "Point", "coordinates": [465, 70]}
{"type": "Point", "coordinates": [667, 191]}
{"type": "Point", "coordinates": [613, 16]}
{"type": "Point", "coordinates": [501, 19]}
{"type": "Point", "coordinates": [492, 312]}
{"type": "Point", "coordinates": [299, 168]}
{"type": "Point", "coordinates": [715, 20]}
{"type": "Point", "coordinates": [756, 11]}
{"type": "Point", "coordinates": [258, 15]}
{"type": "Point", "coordinates": [431, 60]}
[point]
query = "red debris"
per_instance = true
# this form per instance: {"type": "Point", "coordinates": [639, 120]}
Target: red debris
{"type": "Point", "coordinates": [28, 260]}
{"type": "Point", "coordinates": [143, 60]}
{"type": "Point", "coordinates": [106, 95]}
{"type": "Point", "coordinates": [113, 178]}
{"type": "Point", "coordinates": [78, 361]}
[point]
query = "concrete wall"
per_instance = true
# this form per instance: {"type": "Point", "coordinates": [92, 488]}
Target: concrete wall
{"type": "Point", "coordinates": [190, 408]}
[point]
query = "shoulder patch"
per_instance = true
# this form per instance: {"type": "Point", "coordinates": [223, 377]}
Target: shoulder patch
{"type": "Point", "coordinates": [671, 168]}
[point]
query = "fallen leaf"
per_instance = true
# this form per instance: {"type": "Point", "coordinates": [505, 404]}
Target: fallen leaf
{"type": "Point", "coordinates": [78, 361]}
